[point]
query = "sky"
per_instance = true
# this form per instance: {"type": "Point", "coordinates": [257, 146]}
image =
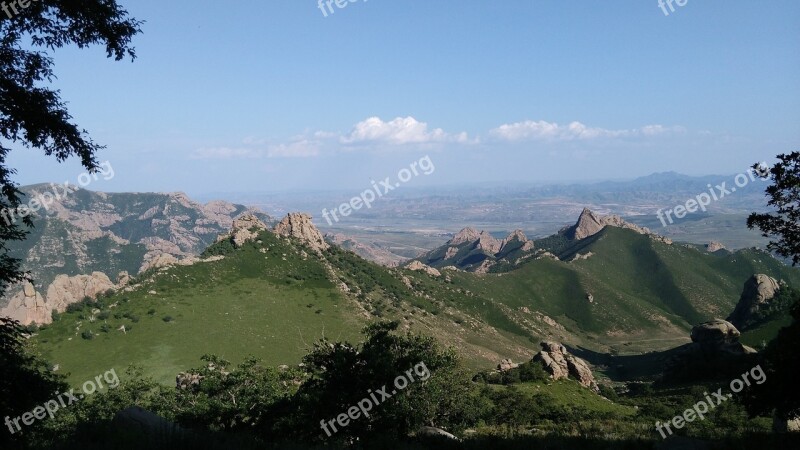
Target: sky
{"type": "Point", "coordinates": [277, 95]}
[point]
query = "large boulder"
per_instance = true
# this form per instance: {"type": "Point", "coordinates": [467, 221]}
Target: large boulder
{"type": "Point", "coordinates": [246, 228]}
{"type": "Point", "coordinates": [560, 364]}
{"type": "Point", "coordinates": [758, 291]}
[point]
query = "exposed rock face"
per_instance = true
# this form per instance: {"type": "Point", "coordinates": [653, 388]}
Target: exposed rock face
{"type": "Point", "coordinates": [590, 223]}
{"type": "Point", "coordinates": [478, 251]}
{"type": "Point", "coordinates": [299, 226]}
{"type": "Point", "coordinates": [246, 228]}
{"type": "Point", "coordinates": [757, 293]}
{"type": "Point", "coordinates": [714, 246]}
{"type": "Point", "coordinates": [419, 267]}
{"type": "Point", "coordinates": [124, 229]}
{"type": "Point", "coordinates": [560, 364]}
{"type": "Point", "coordinates": [29, 306]}
{"type": "Point", "coordinates": [516, 239]}
{"type": "Point", "coordinates": [464, 236]}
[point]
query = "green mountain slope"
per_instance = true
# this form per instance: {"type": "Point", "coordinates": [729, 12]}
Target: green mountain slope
{"type": "Point", "coordinates": [273, 297]}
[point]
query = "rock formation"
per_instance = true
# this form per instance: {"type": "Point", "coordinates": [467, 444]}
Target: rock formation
{"type": "Point", "coordinates": [715, 352]}
{"type": "Point", "coordinates": [560, 364]}
{"type": "Point", "coordinates": [29, 306]}
{"type": "Point", "coordinates": [714, 246]}
{"type": "Point", "coordinates": [245, 228]}
{"type": "Point", "coordinates": [589, 223]}
{"type": "Point", "coordinates": [419, 267]}
{"type": "Point", "coordinates": [478, 251]}
{"type": "Point", "coordinates": [299, 226]}
{"type": "Point", "coordinates": [757, 293]}
{"type": "Point", "coordinates": [506, 365]}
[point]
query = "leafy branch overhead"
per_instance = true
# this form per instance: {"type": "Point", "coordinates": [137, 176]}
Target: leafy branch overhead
{"type": "Point", "coordinates": [783, 225]}
{"type": "Point", "coordinates": [33, 115]}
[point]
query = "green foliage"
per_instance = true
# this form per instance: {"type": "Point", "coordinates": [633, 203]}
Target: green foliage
{"type": "Point", "coordinates": [87, 334]}
{"type": "Point", "coordinates": [342, 374]}
{"type": "Point", "coordinates": [25, 379]}
{"type": "Point", "coordinates": [784, 196]}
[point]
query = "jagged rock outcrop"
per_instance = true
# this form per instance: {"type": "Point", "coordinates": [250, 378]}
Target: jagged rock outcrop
{"type": "Point", "coordinates": [478, 251]}
{"type": "Point", "coordinates": [589, 223]}
{"type": "Point", "coordinates": [756, 295]}
{"type": "Point", "coordinates": [516, 240]}
{"type": "Point", "coordinates": [560, 364]}
{"type": "Point", "coordinates": [714, 246]}
{"type": "Point", "coordinates": [246, 228]}
{"type": "Point", "coordinates": [419, 267]}
{"type": "Point", "coordinates": [299, 226]}
{"type": "Point", "coordinates": [29, 306]}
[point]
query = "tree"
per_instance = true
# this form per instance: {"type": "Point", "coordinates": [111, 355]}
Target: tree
{"type": "Point", "coordinates": [784, 194]}
{"type": "Point", "coordinates": [345, 380]}
{"type": "Point", "coordinates": [780, 360]}
{"type": "Point", "coordinates": [25, 379]}
{"type": "Point", "coordinates": [34, 116]}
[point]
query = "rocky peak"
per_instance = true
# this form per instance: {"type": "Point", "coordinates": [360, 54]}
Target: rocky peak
{"type": "Point", "coordinates": [468, 234]}
{"type": "Point", "coordinates": [299, 225]}
{"type": "Point", "coordinates": [488, 243]}
{"type": "Point", "coordinates": [590, 223]}
{"type": "Point", "coordinates": [714, 246]}
{"type": "Point", "coordinates": [515, 238]}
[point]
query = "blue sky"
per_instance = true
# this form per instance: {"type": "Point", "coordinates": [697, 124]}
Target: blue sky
{"type": "Point", "coordinates": [271, 95]}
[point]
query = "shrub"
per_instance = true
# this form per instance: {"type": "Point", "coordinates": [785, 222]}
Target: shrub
{"type": "Point", "coordinates": [151, 312]}
{"type": "Point", "coordinates": [88, 335]}
{"type": "Point", "coordinates": [104, 315]}
{"type": "Point", "coordinates": [167, 319]}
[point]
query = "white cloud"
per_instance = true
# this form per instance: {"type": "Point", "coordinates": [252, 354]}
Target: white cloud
{"type": "Point", "coordinates": [542, 130]}
{"type": "Point", "coordinates": [299, 149]}
{"type": "Point", "coordinates": [400, 131]}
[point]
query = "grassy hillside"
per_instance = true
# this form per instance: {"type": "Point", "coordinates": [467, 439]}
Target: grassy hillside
{"type": "Point", "coordinates": [273, 298]}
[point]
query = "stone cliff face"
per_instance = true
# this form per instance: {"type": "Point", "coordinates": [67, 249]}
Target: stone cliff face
{"type": "Point", "coordinates": [29, 306]}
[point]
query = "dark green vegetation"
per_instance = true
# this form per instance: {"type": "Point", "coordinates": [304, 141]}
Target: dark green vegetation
{"type": "Point", "coordinates": [253, 405]}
